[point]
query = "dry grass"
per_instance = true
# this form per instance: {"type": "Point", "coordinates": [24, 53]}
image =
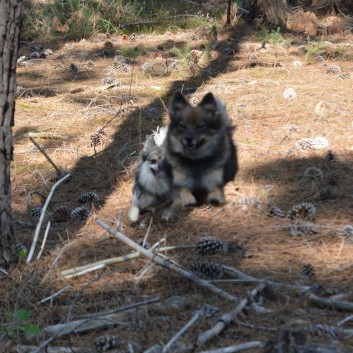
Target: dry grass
{"type": "Point", "coordinates": [271, 171]}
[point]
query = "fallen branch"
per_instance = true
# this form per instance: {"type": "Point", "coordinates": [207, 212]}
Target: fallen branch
{"type": "Point", "coordinates": [166, 263]}
{"type": "Point", "coordinates": [238, 347]}
{"type": "Point", "coordinates": [44, 240]}
{"type": "Point", "coordinates": [191, 322]}
{"type": "Point", "coordinates": [53, 295]}
{"type": "Point", "coordinates": [76, 271]}
{"type": "Point", "coordinates": [97, 321]}
{"type": "Point", "coordinates": [228, 318]}
{"type": "Point", "coordinates": [24, 349]}
{"type": "Point", "coordinates": [124, 308]}
{"type": "Point", "coordinates": [306, 291]}
{"type": "Point", "coordinates": [42, 215]}
{"type": "Point", "coordinates": [87, 270]}
{"type": "Point", "coordinates": [331, 303]}
{"type": "Point", "coordinates": [58, 171]}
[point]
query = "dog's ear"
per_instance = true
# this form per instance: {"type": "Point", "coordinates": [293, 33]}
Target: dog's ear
{"type": "Point", "coordinates": [209, 102]}
{"type": "Point", "coordinates": [147, 147]}
{"type": "Point", "coordinates": [177, 104]}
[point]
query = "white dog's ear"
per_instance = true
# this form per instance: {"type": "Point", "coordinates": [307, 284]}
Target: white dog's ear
{"type": "Point", "coordinates": [147, 147]}
{"type": "Point", "coordinates": [177, 104]}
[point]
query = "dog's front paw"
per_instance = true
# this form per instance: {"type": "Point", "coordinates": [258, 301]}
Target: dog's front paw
{"type": "Point", "coordinates": [167, 214]}
{"type": "Point", "coordinates": [216, 196]}
{"type": "Point", "coordinates": [186, 198]}
{"type": "Point", "coordinates": [134, 214]}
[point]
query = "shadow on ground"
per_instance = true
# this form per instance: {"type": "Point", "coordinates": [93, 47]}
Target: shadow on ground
{"type": "Point", "coordinates": [101, 171]}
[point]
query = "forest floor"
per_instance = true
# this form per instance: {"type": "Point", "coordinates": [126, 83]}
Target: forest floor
{"type": "Point", "coordinates": [293, 114]}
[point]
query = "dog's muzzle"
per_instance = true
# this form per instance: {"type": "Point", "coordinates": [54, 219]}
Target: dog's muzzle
{"type": "Point", "coordinates": [189, 141]}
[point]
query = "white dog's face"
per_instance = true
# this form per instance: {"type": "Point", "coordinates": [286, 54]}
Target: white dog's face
{"type": "Point", "coordinates": [152, 174]}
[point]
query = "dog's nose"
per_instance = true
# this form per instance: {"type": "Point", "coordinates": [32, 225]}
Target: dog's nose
{"type": "Point", "coordinates": [189, 140]}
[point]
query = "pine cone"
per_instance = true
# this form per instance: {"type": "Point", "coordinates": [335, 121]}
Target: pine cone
{"type": "Point", "coordinates": [108, 80]}
{"type": "Point", "coordinates": [106, 342]}
{"type": "Point", "coordinates": [79, 213]}
{"type": "Point", "coordinates": [208, 269]}
{"type": "Point", "coordinates": [210, 245]}
{"type": "Point", "coordinates": [274, 211]}
{"type": "Point", "coordinates": [73, 69]}
{"type": "Point", "coordinates": [347, 233]}
{"type": "Point", "coordinates": [36, 211]}
{"type": "Point", "coordinates": [300, 228]}
{"type": "Point", "coordinates": [345, 76]}
{"type": "Point", "coordinates": [98, 138]}
{"type": "Point", "coordinates": [89, 196]}
{"type": "Point", "coordinates": [333, 70]}
{"type": "Point", "coordinates": [302, 211]}
{"type": "Point", "coordinates": [320, 59]}
{"type": "Point", "coordinates": [307, 272]}
{"type": "Point", "coordinates": [301, 49]}
{"type": "Point", "coordinates": [304, 144]}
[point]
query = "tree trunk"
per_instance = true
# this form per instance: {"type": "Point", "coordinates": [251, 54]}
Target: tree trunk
{"type": "Point", "coordinates": [273, 11]}
{"type": "Point", "coordinates": [10, 21]}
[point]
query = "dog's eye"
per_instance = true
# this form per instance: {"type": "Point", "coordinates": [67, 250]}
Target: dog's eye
{"type": "Point", "coordinates": [181, 126]}
{"type": "Point", "coordinates": [153, 160]}
{"type": "Point", "coordinates": [201, 127]}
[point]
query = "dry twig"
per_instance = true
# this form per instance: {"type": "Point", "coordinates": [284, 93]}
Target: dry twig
{"type": "Point", "coordinates": [228, 318]}
{"type": "Point", "coordinates": [44, 240]}
{"type": "Point", "coordinates": [53, 295]}
{"type": "Point", "coordinates": [238, 347]}
{"type": "Point", "coordinates": [166, 263]}
{"type": "Point", "coordinates": [191, 322]}
{"type": "Point", "coordinates": [42, 215]}
{"type": "Point", "coordinates": [302, 290]}
{"type": "Point", "coordinates": [58, 171]}
{"type": "Point", "coordinates": [77, 271]}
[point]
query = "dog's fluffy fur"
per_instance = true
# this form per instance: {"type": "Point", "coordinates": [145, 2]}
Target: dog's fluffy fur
{"type": "Point", "coordinates": [153, 180]}
{"type": "Point", "coordinates": [200, 151]}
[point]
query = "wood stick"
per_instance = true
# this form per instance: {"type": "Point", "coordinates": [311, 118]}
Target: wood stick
{"type": "Point", "coordinates": [98, 321]}
{"type": "Point", "coordinates": [331, 303]}
{"type": "Point", "coordinates": [227, 318]}
{"type": "Point", "coordinates": [30, 349]}
{"type": "Point", "coordinates": [44, 240]}
{"type": "Point", "coordinates": [114, 260]}
{"type": "Point", "coordinates": [58, 171]}
{"type": "Point", "coordinates": [121, 309]}
{"type": "Point", "coordinates": [302, 290]}
{"type": "Point", "coordinates": [238, 347]}
{"type": "Point", "coordinates": [87, 270]}
{"type": "Point", "coordinates": [191, 322]}
{"type": "Point", "coordinates": [166, 263]}
{"type": "Point", "coordinates": [53, 295]}
{"type": "Point", "coordinates": [42, 215]}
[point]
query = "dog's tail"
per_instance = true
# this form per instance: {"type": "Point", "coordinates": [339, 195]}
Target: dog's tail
{"type": "Point", "coordinates": [159, 135]}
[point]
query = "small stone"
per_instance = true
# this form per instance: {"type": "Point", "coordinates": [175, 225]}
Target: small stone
{"type": "Point", "coordinates": [289, 93]}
